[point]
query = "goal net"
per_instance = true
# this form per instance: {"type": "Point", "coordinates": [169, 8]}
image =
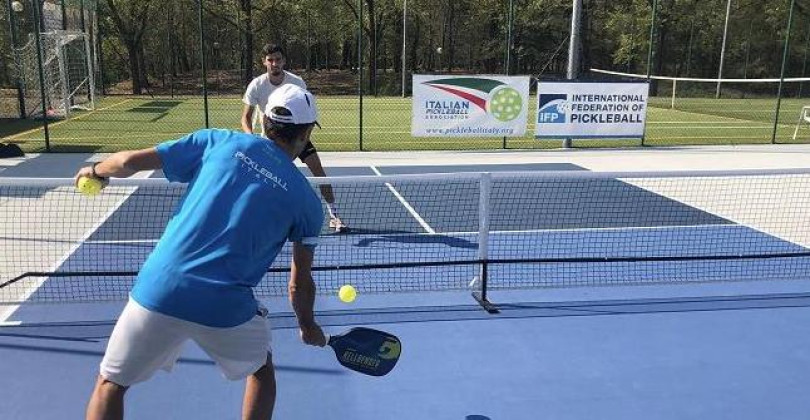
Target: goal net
{"type": "Point", "coordinates": [67, 74]}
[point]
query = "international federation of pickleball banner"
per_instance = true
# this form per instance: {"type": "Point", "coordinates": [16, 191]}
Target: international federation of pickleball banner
{"type": "Point", "coordinates": [470, 106]}
{"type": "Point", "coordinates": [591, 110]}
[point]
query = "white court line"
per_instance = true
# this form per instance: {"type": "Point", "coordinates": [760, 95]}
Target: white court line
{"type": "Point", "coordinates": [7, 311]}
{"type": "Point", "coordinates": [597, 229]}
{"type": "Point", "coordinates": [405, 203]}
{"type": "Point", "coordinates": [124, 242]}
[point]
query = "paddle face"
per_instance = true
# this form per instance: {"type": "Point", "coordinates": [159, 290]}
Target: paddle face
{"type": "Point", "coordinates": [367, 350]}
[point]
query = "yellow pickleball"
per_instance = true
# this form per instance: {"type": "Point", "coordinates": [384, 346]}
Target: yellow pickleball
{"type": "Point", "coordinates": [89, 186]}
{"type": "Point", "coordinates": [347, 293]}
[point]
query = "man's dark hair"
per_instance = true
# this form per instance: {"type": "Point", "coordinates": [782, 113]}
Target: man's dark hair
{"type": "Point", "coordinates": [270, 49]}
{"type": "Point", "coordinates": [285, 132]}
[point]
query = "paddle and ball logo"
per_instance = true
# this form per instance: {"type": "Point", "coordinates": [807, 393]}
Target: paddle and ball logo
{"type": "Point", "coordinates": [390, 349]}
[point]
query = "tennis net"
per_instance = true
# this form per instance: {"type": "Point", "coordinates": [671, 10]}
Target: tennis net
{"type": "Point", "coordinates": [468, 231]}
{"type": "Point", "coordinates": [736, 100]}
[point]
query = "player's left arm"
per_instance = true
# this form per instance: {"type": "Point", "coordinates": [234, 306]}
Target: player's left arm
{"type": "Point", "coordinates": [123, 164]}
{"type": "Point", "coordinates": [304, 236]}
{"type": "Point", "coordinates": [313, 162]}
{"type": "Point", "coordinates": [302, 294]}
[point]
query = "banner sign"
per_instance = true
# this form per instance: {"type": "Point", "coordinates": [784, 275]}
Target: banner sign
{"type": "Point", "coordinates": [591, 110]}
{"type": "Point", "coordinates": [470, 106]}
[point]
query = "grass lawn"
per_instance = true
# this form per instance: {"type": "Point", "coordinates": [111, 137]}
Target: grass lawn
{"type": "Point", "coordinates": [125, 122]}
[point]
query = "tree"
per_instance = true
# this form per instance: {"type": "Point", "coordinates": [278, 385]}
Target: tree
{"type": "Point", "coordinates": [370, 30]}
{"type": "Point", "coordinates": [130, 18]}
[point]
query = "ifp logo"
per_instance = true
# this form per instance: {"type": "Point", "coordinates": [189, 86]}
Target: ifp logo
{"type": "Point", "coordinates": [553, 108]}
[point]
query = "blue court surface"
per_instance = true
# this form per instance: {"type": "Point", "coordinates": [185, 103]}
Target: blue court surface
{"type": "Point", "coordinates": [704, 349]}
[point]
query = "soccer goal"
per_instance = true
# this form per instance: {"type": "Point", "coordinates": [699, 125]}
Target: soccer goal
{"type": "Point", "coordinates": [67, 71]}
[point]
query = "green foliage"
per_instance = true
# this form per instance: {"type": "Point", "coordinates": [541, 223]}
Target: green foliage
{"type": "Point", "coordinates": [160, 44]}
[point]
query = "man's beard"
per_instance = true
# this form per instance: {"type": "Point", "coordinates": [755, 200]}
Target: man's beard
{"type": "Point", "coordinates": [276, 72]}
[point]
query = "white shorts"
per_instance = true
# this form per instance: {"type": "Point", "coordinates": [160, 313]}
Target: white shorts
{"type": "Point", "coordinates": [144, 341]}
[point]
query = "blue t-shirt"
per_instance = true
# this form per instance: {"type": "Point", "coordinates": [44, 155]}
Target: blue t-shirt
{"type": "Point", "coordinates": [245, 199]}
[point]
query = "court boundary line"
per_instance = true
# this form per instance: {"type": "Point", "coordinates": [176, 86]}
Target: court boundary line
{"type": "Point", "coordinates": [405, 203]}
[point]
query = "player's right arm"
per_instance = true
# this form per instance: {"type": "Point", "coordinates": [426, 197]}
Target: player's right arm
{"type": "Point", "coordinates": [302, 294]}
{"type": "Point", "coordinates": [250, 100]}
{"type": "Point", "coordinates": [123, 164]}
{"type": "Point", "coordinates": [247, 119]}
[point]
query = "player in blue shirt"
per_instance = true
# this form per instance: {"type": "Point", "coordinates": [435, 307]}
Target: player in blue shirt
{"type": "Point", "coordinates": [245, 199]}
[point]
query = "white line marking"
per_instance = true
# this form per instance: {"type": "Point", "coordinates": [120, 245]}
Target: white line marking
{"type": "Point", "coordinates": [601, 229]}
{"type": "Point", "coordinates": [123, 242]}
{"type": "Point", "coordinates": [405, 203]}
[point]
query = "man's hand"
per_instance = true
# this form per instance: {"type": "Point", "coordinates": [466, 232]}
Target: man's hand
{"type": "Point", "coordinates": [337, 225]}
{"type": "Point", "coordinates": [87, 171]}
{"type": "Point", "coordinates": [313, 335]}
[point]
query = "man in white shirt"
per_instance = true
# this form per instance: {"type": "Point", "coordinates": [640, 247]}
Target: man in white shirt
{"type": "Point", "coordinates": [256, 95]}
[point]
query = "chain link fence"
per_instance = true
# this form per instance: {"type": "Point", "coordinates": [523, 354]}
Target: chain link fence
{"type": "Point", "coordinates": [161, 69]}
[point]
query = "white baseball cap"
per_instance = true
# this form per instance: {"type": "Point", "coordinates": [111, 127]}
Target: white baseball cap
{"type": "Point", "coordinates": [295, 99]}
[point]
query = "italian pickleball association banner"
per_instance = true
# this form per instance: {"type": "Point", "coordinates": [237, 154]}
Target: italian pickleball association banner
{"type": "Point", "coordinates": [470, 106]}
{"type": "Point", "coordinates": [591, 110]}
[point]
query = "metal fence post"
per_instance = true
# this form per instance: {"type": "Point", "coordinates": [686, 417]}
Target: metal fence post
{"type": "Point", "coordinates": [202, 62]}
{"type": "Point", "coordinates": [12, 22]}
{"type": "Point", "coordinates": [650, 51]}
{"type": "Point", "coordinates": [360, 67]}
{"type": "Point", "coordinates": [782, 72]}
{"type": "Point", "coordinates": [508, 48]}
{"type": "Point", "coordinates": [404, 33]}
{"type": "Point", "coordinates": [573, 52]}
{"type": "Point", "coordinates": [37, 35]}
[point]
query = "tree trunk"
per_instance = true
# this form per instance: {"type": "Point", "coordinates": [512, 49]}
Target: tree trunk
{"type": "Point", "coordinates": [451, 44]}
{"type": "Point", "coordinates": [135, 62]}
{"type": "Point", "coordinates": [492, 62]}
{"type": "Point", "coordinates": [415, 32]}
{"type": "Point", "coordinates": [372, 35]}
{"type": "Point", "coordinates": [346, 55]}
{"type": "Point", "coordinates": [143, 66]}
{"type": "Point", "coordinates": [131, 26]}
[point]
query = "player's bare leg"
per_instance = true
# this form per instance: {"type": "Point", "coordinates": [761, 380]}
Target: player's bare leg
{"type": "Point", "coordinates": [260, 393]}
{"type": "Point", "coordinates": [107, 401]}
